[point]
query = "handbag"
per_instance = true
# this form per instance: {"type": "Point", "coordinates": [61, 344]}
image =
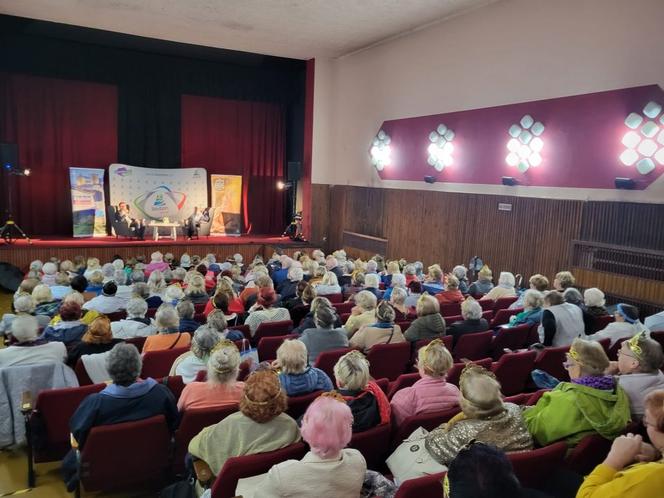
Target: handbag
{"type": "Point", "coordinates": [249, 353]}
{"type": "Point", "coordinates": [411, 459]}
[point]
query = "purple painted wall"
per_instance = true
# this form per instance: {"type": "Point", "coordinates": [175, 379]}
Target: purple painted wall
{"type": "Point", "coordinates": [582, 142]}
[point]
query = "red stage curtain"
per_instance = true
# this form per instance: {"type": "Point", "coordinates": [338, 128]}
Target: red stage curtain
{"type": "Point", "coordinates": [56, 124]}
{"type": "Point", "coordinates": [239, 138]}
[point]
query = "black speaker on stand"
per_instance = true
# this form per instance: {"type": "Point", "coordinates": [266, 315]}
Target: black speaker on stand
{"type": "Point", "coordinates": [10, 231]}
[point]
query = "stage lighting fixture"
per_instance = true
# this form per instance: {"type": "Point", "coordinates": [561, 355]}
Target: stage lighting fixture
{"type": "Point", "coordinates": [640, 142]}
{"type": "Point", "coordinates": [525, 144]}
{"type": "Point", "coordinates": [284, 185]}
{"type": "Point", "coordinates": [381, 152]}
{"type": "Point", "coordinates": [441, 148]}
{"type": "Point", "coordinates": [510, 181]}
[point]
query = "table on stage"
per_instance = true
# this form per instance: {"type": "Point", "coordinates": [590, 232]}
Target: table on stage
{"type": "Point", "coordinates": [156, 225]}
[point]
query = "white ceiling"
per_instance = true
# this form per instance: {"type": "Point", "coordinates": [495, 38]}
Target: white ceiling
{"type": "Point", "coordinates": [300, 29]}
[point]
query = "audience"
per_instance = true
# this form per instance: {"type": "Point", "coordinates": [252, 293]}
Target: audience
{"type": "Point", "coordinates": [563, 281]}
{"type": "Point", "coordinates": [371, 283]}
{"type": "Point", "coordinates": [397, 300]}
{"type": "Point", "coordinates": [536, 282]}
{"type": "Point", "coordinates": [591, 402]}
{"type": "Point", "coordinates": [431, 393]}
{"type": "Point", "coordinates": [561, 322]}
{"type": "Point", "coordinates": [265, 311]}
{"type": "Point", "coordinates": [168, 334]}
{"type": "Point", "coordinates": [29, 348]}
{"type": "Point", "coordinates": [87, 316]}
{"type": "Point", "coordinates": [223, 366]}
{"type": "Point", "coordinates": [329, 285]}
{"type": "Point", "coordinates": [107, 301]}
{"type": "Point", "coordinates": [24, 305]}
{"type": "Point", "coordinates": [325, 335]}
{"type": "Point", "coordinates": [505, 287]}
{"type": "Point", "coordinates": [69, 329]}
{"type": "Point", "coordinates": [483, 284]}
{"type": "Point", "coordinates": [296, 377]}
{"type": "Point", "coordinates": [461, 274]}
{"type": "Point", "coordinates": [288, 288]}
{"type": "Point", "coordinates": [398, 281]}
{"type": "Point", "coordinates": [594, 301]}
{"type": "Point", "coordinates": [188, 364]}
{"type": "Point", "coordinates": [532, 309]}
{"type": "Point", "coordinates": [414, 293]}
{"type": "Point", "coordinates": [44, 302]}
{"type": "Point", "coordinates": [429, 322]}
{"type": "Point", "coordinates": [384, 331]}
{"type": "Point", "coordinates": [195, 290]}
{"type": "Point", "coordinates": [626, 324]}
{"type": "Point", "coordinates": [186, 310]}
{"type": "Point", "coordinates": [452, 294]}
{"type": "Point", "coordinates": [484, 418]}
{"type": "Point", "coordinates": [363, 313]}
{"type": "Point", "coordinates": [97, 339]}
{"type": "Point", "coordinates": [135, 325]}
{"type": "Point", "coordinates": [329, 468]}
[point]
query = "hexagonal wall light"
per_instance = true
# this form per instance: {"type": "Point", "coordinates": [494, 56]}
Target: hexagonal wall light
{"type": "Point", "coordinates": [441, 149]}
{"type": "Point", "coordinates": [644, 142]}
{"type": "Point", "coordinates": [525, 144]}
{"type": "Point", "coordinates": [381, 151]}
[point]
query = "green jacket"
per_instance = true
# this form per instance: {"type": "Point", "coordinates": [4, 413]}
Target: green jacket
{"type": "Point", "coordinates": [572, 411]}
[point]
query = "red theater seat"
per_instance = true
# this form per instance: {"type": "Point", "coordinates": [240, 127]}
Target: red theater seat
{"type": "Point", "coordinates": [503, 303]}
{"type": "Point", "coordinates": [374, 444]}
{"type": "Point", "coordinates": [613, 350]}
{"type": "Point", "coordinates": [473, 346]}
{"type": "Point", "coordinates": [405, 380]}
{"type": "Point", "coordinates": [343, 307]}
{"type": "Point", "coordinates": [513, 371]}
{"type": "Point", "coordinates": [510, 338]}
{"type": "Point", "coordinates": [502, 317]}
{"type": "Point", "coordinates": [487, 304]}
{"type": "Point", "coordinates": [454, 374]}
{"type": "Point", "coordinates": [157, 364]}
{"type": "Point", "coordinates": [600, 322]}
{"type": "Point", "coordinates": [389, 360]}
{"type": "Point", "coordinates": [267, 346]}
{"type": "Point", "coordinates": [327, 359]}
{"type": "Point", "coordinates": [429, 421]}
{"type": "Point", "coordinates": [450, 309]}
{"type": "Point", "coordinates": [589, 453]}
{"type": "Point", "coordinates": [535, 466]}
{"type": "Point", "coordinates": [272, 329]}
{"type": "Point", "coordinates": [138, 342]}
{"type": "Point", "coordinates": [297, 405]}
{"type": "Point", "coordinates": [551, 361]}
{"type": "Point", "coordinates": [430, 486]}
{"type": "Point", "coordinates": [244, 329]}
{"type": "Point", "coordinates": [82, 374]}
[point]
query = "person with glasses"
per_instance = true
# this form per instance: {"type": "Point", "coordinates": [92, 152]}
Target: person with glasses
{"type": "Point", "coordinates": [632, 468]}
{"type": "Point", "coordinates": [591, 402]}
{"type": "Point", "coordinates": [638, 366]}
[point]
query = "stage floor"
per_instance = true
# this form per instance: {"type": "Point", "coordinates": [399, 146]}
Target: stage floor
{"type": "Point", "coordinates": [21, 253]}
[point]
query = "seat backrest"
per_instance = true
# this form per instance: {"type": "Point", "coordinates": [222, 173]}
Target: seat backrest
{"type": "Point", "coordinates": [551, 361]}
{"type": "Point", "coordinates": [600, 322]}
{"type": "Point", "coordinates": [449, 320]}
{"type": "Point", "coordinates": [343, 307]}
{"type": "Point", "coordinates": [589, 453]}
{"type": "Point", "coordinates": [487, 304]}
{"type": "Point", "coordinates": [297, 405]}
{"type": "Point", "coordinates": [502, 316]}
{"type": "Point", "coordinates": [404, 325]}
{"type": "Point", "coordinates": [454, 373]}
{"type": "Point", "coordinates": [272, 329]}
{"type": "Point", "coordinates": [429, 421]}
{"type": "Point", "coordinates": [388, 360]}
{"type": "Point", "coordinates": [157, 364]}
{"type": "Point", "coordinates": [192, 422]}
{"type": "Point", "coordinates": [511, 338]}
{"type": "Point", "coordinates": [267, 346]}
{"type": "Point", "coordinates": [487, 315]}
{"type": "Point", "coordinates": [513, 371]}
{"type": "Point", "coordinates": [244, 329]}
{"type": "Point", "coordinates": [450, 309]}
{"type": "Point", "coordinates": [327, 359]}
{"type": "Point", "coordinates": [374, 444]}
{"type": "Point", "coordinates": [236, 468]}
{"type": "Point", "coordinates": [335, 298]}
{"type": "Point", "coordinates": [535, 397]}
{"type": "Point", "coordinates": [473, 346]}
{"type": "Point", "coordinates": [125, 455]}
{"type": "Point", "coordinates": [613, 350]}
{"type": "Point", "coordinates": [423, 487]}
{"type": "Point", "coordinates": [199, 308]}
{"type": "Point", "coordinates": [138, 342]}
{"type": "Point", "coordinates": [116, 316]}
{"type": "Point", "coordinates": [404, 380]}
{"type": "Point", "coordinates": [82, 374]}
{"type": "Point", "coordinates": [535, 466]}
{"type": "Point", "coordinates": [174, 383]}
{"type": "Point", "coordinates": [52, 411]}
{"type": "Point", "coordinates": [503, 303]}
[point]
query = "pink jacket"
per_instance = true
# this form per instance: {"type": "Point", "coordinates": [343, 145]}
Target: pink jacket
{"type": "Point", "coordinates": [156, 265]}
{"type": "Point", "coordinates": [428, 394]}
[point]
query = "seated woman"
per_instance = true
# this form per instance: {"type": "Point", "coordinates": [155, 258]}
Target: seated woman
{"type": "Point", "coordinates": [429, 322]}
{"type": "Point", "coordinates": [383, 331]}
{"type": "Point", "coordinates": [217, 321]}
{"type": "Point", "coordinates": [639, 363]}
{"type": "Point", "coordinates": [288, 288]}
{"type": "Point", "coordinates": [260, 426]}
{"type": "Point", "coordinates": [188, 364]}
{"type": "Point", "coordinates": [92, 265]}
{"type": "Point", "coordinates": [296, 377]}
{"type": "Point", "coordinates": [398, 281]}
{"type": "Point", "coordinates": [186, 310]}
{"type": "Point", "coordinates": [29, 348]}
{"type": "Point", "coordinates": [626, 324]}
{"type": "Point", "coordinates": [327, 468]}
{"type": "Point", "coordinates": [23, 305]}
{"type": "Point", "coordinates": [95, 283]}
{"type": "Point", "coordinates": [168, 334]}
{"type": "Point", "coordinates": [414, 292]}
{"type": "Point", "coordinates": [355, 286]}
{"type": "Point", "coordinates": [363, 313]}
{"type": "Point", "coordinates": [505, 287]}
{"type": "Point", "coordinates": [329, 285]}
{"type": "Point", "coordinates": [221, 387]}
{"type": "Point", "coordinates": [561, 322]}
{"type": "Point", "coordinates": [594, 301]}
{"type": "Point", "coordinates": [452, 294]}
{"type": "Point", "coordinates": [563, 281]}
{"type": "Point", "coordinates": [371, 284]}
{"type": "Point", "coordinates": [69, 329]}
{"type": "Point", "coordinates": [536, 282]}
{"type": "Point", "coordinates": [126, 399]}
{"type": "Point", "coordinates": [483, 284]}
{"type": "Point", "coordinates": [461, 273]}
{"type": "Point", "coordinates": [97, 339]}
{"type": "Point", "coordinates": [265, 311]}
{"type": "Point", "coordinates": [87, 316]}
{"type": "Point", "coordinates": [472, 322]}
{"type": "Point", "coordinates": [397, 300]}
{"type": "Point", "coordinates": [532, 309]}
{"type": "Point", "coordinates": [591, 403]}
{"type": "Point", "coordinates": [195, 290]}
{"type": "Point", "coordinates": [325, 335]}
{"type": "Point", "coordinates": [366, 400]}
{"type": "Point", "coordinates": [136, 324]}
{"type": "Point", "coordinates": [300, 306]}
{"type": "Point", "coordinates": [44, 302]}
{"type": "Point", "coordinates": [484, 418]}
{"type": "Point", "coordinates": [632, 468]}
{"type": "Point", "coordinates": [431, 393]}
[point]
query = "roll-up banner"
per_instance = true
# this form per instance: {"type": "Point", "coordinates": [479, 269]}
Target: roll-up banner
{"type": "Point", "coordinates": [227, 204]}
{"type": "Point", "coordinates": [87, 202]}
{"type": "Point", "coordinates": [155, 194]}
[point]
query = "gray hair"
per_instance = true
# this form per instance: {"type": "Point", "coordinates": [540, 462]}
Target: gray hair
{"type": "Point", "coordinates": [156, 281]}
{"type": "Point", "coordinates": [108, 270]}
{"type": "Point", "coordinates": [572, 296]}
{"type": "Point", "coordinates": [185, 309]}
{"type": "Point", "coordinates": [173, 293]}
{"type": "Point", "coordinates": [594, 297]}
{"type": "Point", "coordinates": [124, 364]}
{"type": "Point", "coordinates": [372, 266]}
{"type": "Point", "coordinates": [366, 300]}
{"type": "Point", "coordinates": [507, 279]}
{"type": "Point", "coordinates": [120, 277]}
{"type": "Point", "coordinates": [25, 328]}
{"type": "Point", "coordinates": [179, 273]}
{"type": "Point", "coordinates": [460, 272]}
{"type": "Point", "coordinates": [295, 274]}
{"type": "Point", "coordinates": [137, 276]}
{"type": "Point", "coordinates": [325, 316]}
{"type": "Point", "coordinates": [533, 299]}
{"type": "Point", "coordinates": [217, 321]}
{"type": "Point", "coordinates": [398, 280]}
{"type": "Point", "coordinates": [166, 318]}
{"type": "Point", "coordinates": [137, 308]}
{"type": "Point", "coordinates": [371, 281]}
{"type": "Point", "coordinates": [398, 295]}
{"type": "Point", "coordinates": [224, 364]}
{"type": "Point", "coordinates": [204, 340]}
{"type": "Point", "coordinates": [471, 310]}
{"type": "Point", "coordinates": [168, 275]}
{"type": "Point", "coordinates": [141, 289]}
{"type": "Point", "coordinates": [24, 304]}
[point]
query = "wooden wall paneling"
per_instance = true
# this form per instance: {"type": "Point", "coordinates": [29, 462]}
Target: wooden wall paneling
{"type": "Point", "coordinates": [402, 226]}
{"type": "Point", "coordinates": [649, 291]}
{"type": "Point", "coordinates": [337, 217]}
{"type": "Point", "coordinates": [320, 213]}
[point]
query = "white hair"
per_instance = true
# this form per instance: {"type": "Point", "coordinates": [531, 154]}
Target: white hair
{"type": "Point", "coordinates": [533, 299]}
{"type": "Point", "coordinates": [371, 281]}
{"type": "Point", "coordinates": [506, 279]}
{"type": "Point", "coordinates": [108, 270]}
{"type": "Point", "coordinates": [330, 278]}
{"type": "Point", "coordinates": [295, 274]}
{"type": "Point", "coordinates": [593, 297]}
{"type": "Point", "coordinates": [398, 280]}
{"type": "Point", "coordinates": [166, 317]}
{"type": "Point", "coordinates": [120, 277]}
{"type": "Point", "coordinates": [173, 293]}
{"type": "Point", "coordinates": [49, 268]}
{"type": "Point", "coordinates": [471, 310]}
{"type": "Point", "coordinates": [137, 308]}
{"type": "Point", "coordinates": [398, 295]}
{"type": "Point", "coordinates": [157, 257]}
{"type": "Point", "coordinates": [25, 328]}
{"type": "Point", "coordinates": [42, 294]}
{"type": "Point", "coordinates": [365, 300]}
{"type": "Point", "coordinates": [24, 304]}
{"type": "Point", "coordinates": [118, 264]}
{"type": "Point", "coordinates": [372, 266]}
{"type": "Point", "coordinates": [460, 272]}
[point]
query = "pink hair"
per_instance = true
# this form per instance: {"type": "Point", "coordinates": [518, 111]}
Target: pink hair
{"type": "Point", "coordinates": [327, 426]}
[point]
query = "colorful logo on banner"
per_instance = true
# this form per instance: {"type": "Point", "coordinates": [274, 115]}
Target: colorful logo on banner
{"type": "Point", "coordinates": [227, 204]}
{"type": "Point", "coordinates": [87, 202]}
{"type": "Point", "coordinates": [160, 202]}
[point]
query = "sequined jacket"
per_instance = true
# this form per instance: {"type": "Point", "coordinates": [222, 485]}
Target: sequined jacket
{"type": "Point", "coordinates": [507, 431]}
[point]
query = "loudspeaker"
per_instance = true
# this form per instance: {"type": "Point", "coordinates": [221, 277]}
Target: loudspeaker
{"type": "Point", "coordinates": [9, 156]}
{"type": "Point", "coordinates": [510, 181]}
{"type": "Point", "coordinates": [429, 179]}
{"type": "Point", "coordinates": [294, 171]}
{"type": "Point", "coordinates": [625, 183]}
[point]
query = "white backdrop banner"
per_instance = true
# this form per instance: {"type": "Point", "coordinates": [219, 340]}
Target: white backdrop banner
{"type": "Point", "coordinates": [155, 193]}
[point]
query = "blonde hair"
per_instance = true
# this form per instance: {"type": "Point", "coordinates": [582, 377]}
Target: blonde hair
{"type": "Point", "coordinates": [435, 359]}
{"type": "Point", "coordinates": [42, 294]}
{"type": "Point", "coordinates": [435, 272]}
{"type": "Point", "coordinates": [427, 305]}
{"type": "Point", "coordinates": [393, 267]}
{"type": "Point", "coordinates": [452, 282]}
{"type": "Point", "coordinates": [366, 300]}
{"type": "Point", "coordinates": [565, 279]}
{"type": "Point", "coordinates": [540, 282]}
{"type": "Point", "coordinates": [292, 356]}
{"type": "Point", "coordinates": [590, 356]}
{"type": "Point", "coordinates": [352, 371]}
{"type": "Point", "coordinates": [223, 365]}
{"type": "Point", "coordinates": [330, 278]}
{"type": "Point", "coordinates": [480, 392]}
{"type": "Point", "coordinates": [196, 285]}
{"type": "Point", "coordinates": [96, 277]}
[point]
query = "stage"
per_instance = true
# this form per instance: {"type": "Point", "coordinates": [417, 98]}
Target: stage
{"type": "Point", "coordinates": [20, 253]}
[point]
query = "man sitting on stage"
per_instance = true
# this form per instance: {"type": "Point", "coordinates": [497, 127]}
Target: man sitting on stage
{"type": "Point", "coordinates": [122, 214]}
{"type": "Point", "coordinates": [193, 223]}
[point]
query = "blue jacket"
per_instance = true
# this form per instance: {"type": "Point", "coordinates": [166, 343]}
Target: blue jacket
{"type": "Point", "coordinates": [312, 379]}
{"type": "Point", "coordinates": [61, 332]}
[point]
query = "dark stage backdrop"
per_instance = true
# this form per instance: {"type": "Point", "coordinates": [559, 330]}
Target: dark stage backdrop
{"type": "Point", "coordinates": [239, 138]}
{"type": "Point", "coordinates": [58, 124]}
